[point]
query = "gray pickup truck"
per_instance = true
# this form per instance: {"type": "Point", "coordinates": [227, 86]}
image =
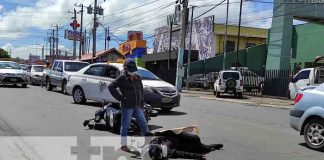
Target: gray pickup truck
{"type": "Point", "coordinates": [58, 74]}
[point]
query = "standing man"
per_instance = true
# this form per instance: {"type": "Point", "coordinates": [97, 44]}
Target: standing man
{"type": "Point", "coordinates": [131, 96]}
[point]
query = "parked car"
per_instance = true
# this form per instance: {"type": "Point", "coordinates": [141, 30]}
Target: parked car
{"type": "Point", "coordinates": [251, 81]}
{"type": "Point", "coordinates": [307, 116]}
{"type": "Point", "coordinates": [230, 82]}
{"type": "Point", "coordinates": [58, 75]}
{"type": "Point", "coordinates": [91, 83]}
{"type": "Point", "coordinates": [306, 77]}
{"type": "Point", "coordinates": [35, 74]}
{"type": "Point", "coordinates": [12, 73]}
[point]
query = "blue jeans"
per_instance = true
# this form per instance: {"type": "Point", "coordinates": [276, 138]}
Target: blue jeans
{"type": "Point", "coordinates": [127, 114]}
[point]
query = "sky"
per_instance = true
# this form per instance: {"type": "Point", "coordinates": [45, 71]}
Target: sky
{"type": "Point", "coordinates": [25, 25]}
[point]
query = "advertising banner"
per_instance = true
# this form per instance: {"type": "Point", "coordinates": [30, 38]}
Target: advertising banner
{"type": "Point", "coordinates": [202, 38]}
{"type": "Point", "coordinates": [72, 35]}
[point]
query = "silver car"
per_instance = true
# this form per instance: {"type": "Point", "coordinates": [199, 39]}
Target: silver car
{"type": "Point", "coordinates": [307, 116]}
{"type": "Point", "coordinates": [35, 74]}
{"type": "Point", "coordinates": [12, 73]}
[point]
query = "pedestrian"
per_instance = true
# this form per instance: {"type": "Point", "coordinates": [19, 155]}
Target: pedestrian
{"type": "Point", "coordinates": [131, 96]}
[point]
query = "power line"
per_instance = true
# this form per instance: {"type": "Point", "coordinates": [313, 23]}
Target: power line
{"type": "Point", "coordinates": [131, 8]}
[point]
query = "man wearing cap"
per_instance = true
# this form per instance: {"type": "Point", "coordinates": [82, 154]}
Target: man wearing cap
{"type": "Point", "coordinates": [131, 96]}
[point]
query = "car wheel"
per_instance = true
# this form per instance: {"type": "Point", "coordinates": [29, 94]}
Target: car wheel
{"type": "Point", "coordinates": [78, 96]}
{"type": "Point", "coordinates": [166, 109]}
{"type": "Point", "coordinates": [240, 95]}
{"type": "Point", "coordinates": [64, 87]}
{"type": "Point", "coordinates": [314, 134]}
{"type": "Point", "coordinates": [49, 86]}
{"type": "Point", "coordinates": [24, 85]}
{"type": "Point", "coordinates": [215, 93]}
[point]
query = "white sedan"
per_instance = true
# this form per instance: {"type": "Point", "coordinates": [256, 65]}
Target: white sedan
{"type": "Point", "coordinates": [91, 83]}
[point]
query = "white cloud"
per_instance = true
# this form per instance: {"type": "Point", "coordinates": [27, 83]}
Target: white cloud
{"type": "Point", "coordinates": [1, 8]}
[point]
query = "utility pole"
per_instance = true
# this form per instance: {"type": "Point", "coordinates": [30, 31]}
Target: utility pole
{"type": "Point", "coordinates": [94, 32]}
{"type": "Point", "coordinates": [170, 46]}
{"type": "Point", "coordinates": [95, 10]}
{"type": "Point", "coordinates": [43, 52]}
{"type": "Point", "coordinates": [74, 40]}
{"type": "Point", "coordinates": [107, 38]}
{"type": "Point", "coordinates": [81, 48]}
{"type": "Point", "coordinates": [57, 41]}
{"type": "Point", "coordinates": [225, 41]}
{"type": "Point", "coordinates": [50, 46]}
{"type": "Point", "coordinates": [106, 30]}
{"type": "Point", "coordinates": [84, 46]}
{"type": "Point", "coordinates": [53, 53]}
{"type": "Point", "coordinates": [181, 45]}
{"type": "Point", "coordinates": [238, 35]}
{"type": "Point", "coordinates": [189, 54]}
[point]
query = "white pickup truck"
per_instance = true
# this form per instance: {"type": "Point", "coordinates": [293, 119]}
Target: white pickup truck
{"type": "Point", "coordinates": [304, 78]}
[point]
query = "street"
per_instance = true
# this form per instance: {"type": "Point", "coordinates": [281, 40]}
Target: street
{"type": "Point", "coordinates": [247, 132]}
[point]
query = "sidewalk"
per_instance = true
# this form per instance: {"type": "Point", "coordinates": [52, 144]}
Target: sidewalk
{"type": "Point", "coordinates": [247, 100]}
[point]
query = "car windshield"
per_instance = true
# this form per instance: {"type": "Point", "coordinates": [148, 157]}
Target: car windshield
{"type": "Point", "coordinates": [9, 65]}
{"type": "Point", "coordinates": [147, 75]}
{"type": "Point", "coordinates": [38, 68]}
{"type": "Point", "coordinates": [231, 75]}
{"type": "Point", "coordinates": [74, 66]}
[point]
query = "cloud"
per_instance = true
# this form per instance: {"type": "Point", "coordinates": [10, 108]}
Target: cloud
{"type": "Point", "coordinates": [24, 50]}
{"type": "Point", "coordinates": [1, 8]}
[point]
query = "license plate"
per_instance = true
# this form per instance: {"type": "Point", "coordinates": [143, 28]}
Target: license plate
{"type": "Point", "coordinates": [166, 100]}
{"type": "Point", "coordinates": [13, 80]}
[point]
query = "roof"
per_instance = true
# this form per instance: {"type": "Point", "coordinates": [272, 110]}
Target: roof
{"type": "Point", "coordinates": [89, 56]}
{"type": "Point", "coordinates": [70, 61]}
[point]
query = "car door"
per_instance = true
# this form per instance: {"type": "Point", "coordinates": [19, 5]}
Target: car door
{"type": "Point", "coordinates": [90, 82]}
{"type": "Point", "coordinates": [300, 80]}
{"type": "Point", "coordinates": [52, 71]}
{"type": "Point", "coordinates": [57, 74]}
{"type": "Point", "coordinates": [110, 74]}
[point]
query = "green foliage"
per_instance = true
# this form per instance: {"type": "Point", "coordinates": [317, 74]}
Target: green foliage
{"type": "Point", "coordinates": [4, 53]}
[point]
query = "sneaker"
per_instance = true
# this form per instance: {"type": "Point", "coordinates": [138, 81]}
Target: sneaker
{"type": "Point", "coordinates": [125, 149]}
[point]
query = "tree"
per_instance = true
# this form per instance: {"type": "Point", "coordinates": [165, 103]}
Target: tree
{"type": "Point", "coordinates": [4, 53]}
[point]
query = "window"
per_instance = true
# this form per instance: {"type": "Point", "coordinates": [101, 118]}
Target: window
{"type": "Point", "coordinates": [302, 75]}
{"type": "Point", "coordinates": [60, 67]}
{"type": "Point", "coordinates": [55, 64]}
{"type": "Point", "coordinates": [147, 75]}
{"type": "Point", "coordinates": [231, 75]}
{"type": "Point", "coordinates": [230, 46]}
{"type": "Point", "coordinates": [74, 66]}
{"type": "Point", "coordinates": [95, 71]}
{"type": "Point", "coordinates": [248, 44]}
{"type": "Point", "coordinates": [111, 72]}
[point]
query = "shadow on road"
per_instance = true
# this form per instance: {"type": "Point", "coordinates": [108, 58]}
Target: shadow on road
{"type": "Point", "coordinates": [12, 86]}
{"type": "Point", "coordinates": [154, 127]}
{"type": "Point", "coordinates": [231, 97]}
{"type": "Point", "coordinates": [91, 104]}
{"type": "Point", "coordinates": [305, 145]}
{"type": "Point", "coordinates": [171, 113]}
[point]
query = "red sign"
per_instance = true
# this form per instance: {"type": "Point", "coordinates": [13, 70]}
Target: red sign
{"type": "Point", "coordinates": [74, 24]}
{"type": "Point", "coordinates": [134, 35]}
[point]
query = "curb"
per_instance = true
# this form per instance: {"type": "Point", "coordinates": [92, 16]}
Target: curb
{"type": "Point", "coordinates": [250, 103]}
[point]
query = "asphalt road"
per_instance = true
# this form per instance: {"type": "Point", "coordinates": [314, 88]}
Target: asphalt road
{"type": "Point", "coordinates": [37, 124]}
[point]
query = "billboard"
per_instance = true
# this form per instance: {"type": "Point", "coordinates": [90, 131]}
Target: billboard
{"type": "Point", "coordinates": [202, 38]}
{"type": "Point", "coordinates": [134, 35]}
{"type": "Point", "coordinates": [72, 35]}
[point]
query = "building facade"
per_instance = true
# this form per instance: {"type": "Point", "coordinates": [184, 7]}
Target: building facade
{"type": "Point", "coordinates": [249, 37]}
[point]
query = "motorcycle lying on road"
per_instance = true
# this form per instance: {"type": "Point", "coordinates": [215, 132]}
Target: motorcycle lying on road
{"type": "Point", "coordinates": [109, 117]}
